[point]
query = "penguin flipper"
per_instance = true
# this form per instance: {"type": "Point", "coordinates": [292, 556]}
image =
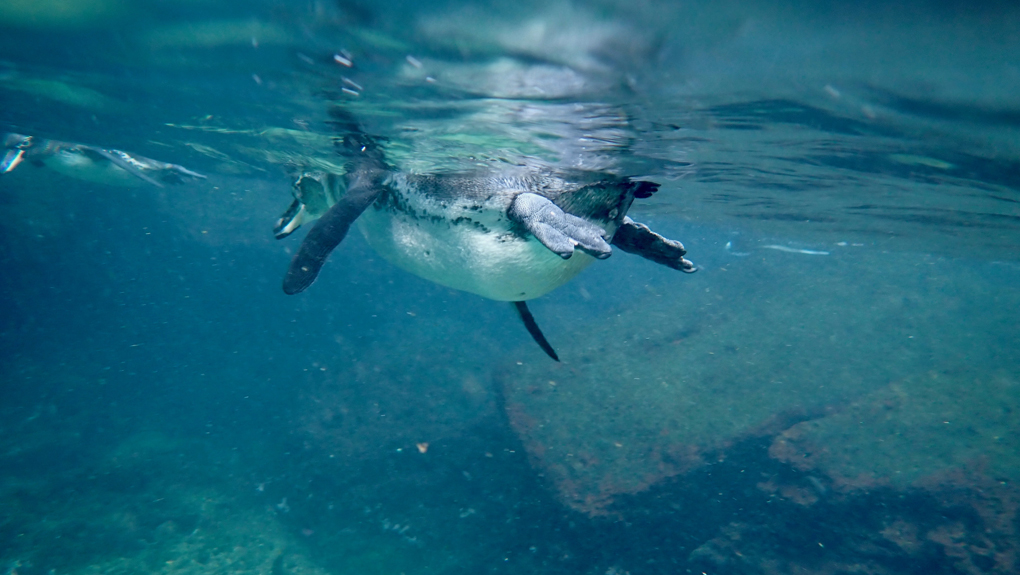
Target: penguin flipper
{"type": "Point", "coordinates": [363, 189]}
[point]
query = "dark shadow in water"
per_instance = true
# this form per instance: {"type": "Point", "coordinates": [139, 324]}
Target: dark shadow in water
{"type": "Point", "coordinates": [982, 173]}
{"type": "Point", "coordinates": [954, 112]}
{"type": "Point", "coordinates": [760, 114]}
{"type": "Point", "coordinates": [722, 518]}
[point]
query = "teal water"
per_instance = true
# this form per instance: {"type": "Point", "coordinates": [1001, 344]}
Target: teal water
{"type": "Point", "coordinates": [835, 391]}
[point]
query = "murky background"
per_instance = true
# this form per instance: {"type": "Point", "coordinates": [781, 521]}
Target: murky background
{"type": "Point", "coordinates": [837, 390]}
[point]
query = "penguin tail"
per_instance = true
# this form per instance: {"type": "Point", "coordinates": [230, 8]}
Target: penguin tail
{"type": "Point", "coordinates": [533, 329]}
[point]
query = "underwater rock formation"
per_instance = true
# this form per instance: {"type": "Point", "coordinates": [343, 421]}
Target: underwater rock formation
{"type": "Point", "coordinates": [951, 438]}
{"type": "Point", "coordinates": [913, 431]}
{"type": "Point", "coordinates": [752, 349]}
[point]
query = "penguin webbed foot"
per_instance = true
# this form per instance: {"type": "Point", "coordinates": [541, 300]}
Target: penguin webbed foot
{"type": "Point", "coordinates": [557, 230]}
{"type": "Point", "coordinates": [636, 238]}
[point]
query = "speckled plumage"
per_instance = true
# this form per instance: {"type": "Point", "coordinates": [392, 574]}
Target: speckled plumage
{"type": "Point", "coordinates": [511, 234]}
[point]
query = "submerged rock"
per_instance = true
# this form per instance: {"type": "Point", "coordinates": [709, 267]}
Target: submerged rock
{"type": "Point", "coordinates": [751, 349]}
{"type": "Point", "coordinates": [913, 432]}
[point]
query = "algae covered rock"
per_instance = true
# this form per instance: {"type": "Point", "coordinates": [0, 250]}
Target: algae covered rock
{"type": "Point", "coordinates": [748, 349]}
{"type": "Point", "coordinates": [914, 431]}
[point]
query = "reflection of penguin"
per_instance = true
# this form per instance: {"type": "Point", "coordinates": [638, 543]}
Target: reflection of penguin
{"type": "Point", "coordinates": [505, 235]}
{"type": "Point", "coordinates": [104, 166]}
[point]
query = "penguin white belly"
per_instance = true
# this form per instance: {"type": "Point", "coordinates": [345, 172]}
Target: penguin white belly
{"type": "Point", "coordinates": [480, 254]}
{"type": "Point", "coordinates": [77, 165]}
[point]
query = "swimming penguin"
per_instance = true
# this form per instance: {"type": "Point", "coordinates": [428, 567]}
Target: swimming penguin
{"type": "Point", "coordinates": [90, 163]}
{"type": "Point", "coordinates": [508, 235]}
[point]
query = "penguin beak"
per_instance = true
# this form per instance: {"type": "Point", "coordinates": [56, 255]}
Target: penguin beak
{"type": "Point", "coordinates": [290, 220]}
{"type": "Point", "coordinates": [11, 160]}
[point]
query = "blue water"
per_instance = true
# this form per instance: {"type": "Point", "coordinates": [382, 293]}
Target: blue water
{"type": "Point", "coordinates": [836, 390]}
